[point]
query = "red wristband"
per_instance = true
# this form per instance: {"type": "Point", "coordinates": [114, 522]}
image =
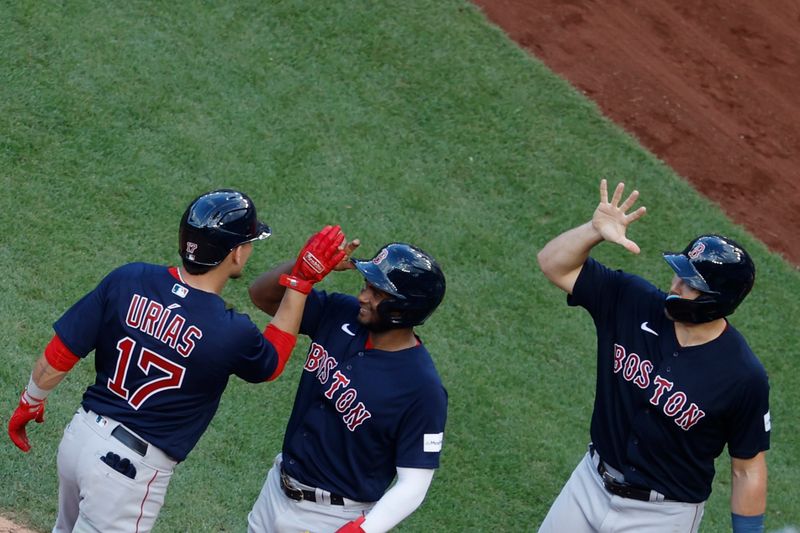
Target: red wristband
{"type": "Point", "coordinates": [296, 284]}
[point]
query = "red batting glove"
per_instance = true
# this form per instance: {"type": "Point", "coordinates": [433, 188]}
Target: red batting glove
{"type": "Point", "coordinates": [318, 257]}
{"type": "Point", "coordinates": [25, 412]}
{"type": "Point", "coordinates": [321, 253]}
{"type": "Point", "coordinates": [353, 527]}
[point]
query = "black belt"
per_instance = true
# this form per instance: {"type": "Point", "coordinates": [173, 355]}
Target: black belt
{"type": "Point", "coordinates": [130, 440]}
{"type": "Point", "coordinates": [619, 488]}
{"type": "Point", "coordinates": [301, 495]}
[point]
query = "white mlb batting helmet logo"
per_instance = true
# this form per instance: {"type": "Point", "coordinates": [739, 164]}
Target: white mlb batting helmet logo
{"type": "Point", "coordinates": [432, 442]}
{"type": "Point", "coordinates": [767, 422]}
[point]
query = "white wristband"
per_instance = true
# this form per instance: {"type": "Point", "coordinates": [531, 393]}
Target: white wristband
{"type": "Point", "coordinates": [35, 394]}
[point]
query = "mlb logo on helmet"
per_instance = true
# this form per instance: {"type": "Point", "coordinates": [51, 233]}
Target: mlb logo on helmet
{"type": "Point", "coordinates": [697, 250]}
{"type": "Point", "coordinates": [383, 254]}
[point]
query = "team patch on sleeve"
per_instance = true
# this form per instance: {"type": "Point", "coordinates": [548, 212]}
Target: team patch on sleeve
{"type": "Point", "coordinates": [767, 423]}
{"type": "Point", "coordinates": [432, 442]}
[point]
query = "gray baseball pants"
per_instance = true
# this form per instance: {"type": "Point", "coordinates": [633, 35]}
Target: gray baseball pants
{"type": "Point", "coordinates": [93, 496]}
{"type": "Point", "coordinates": [585, 506]}
{"type": "Point", "coordinates": [275, 512]}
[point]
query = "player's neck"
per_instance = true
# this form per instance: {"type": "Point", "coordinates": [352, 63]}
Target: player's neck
{"type": "Point", "coordinates": [212, 281]}
{"type": "Point", "coordinates": [697, 334]}
{"type": "Point", "coordinates": [393, 340]}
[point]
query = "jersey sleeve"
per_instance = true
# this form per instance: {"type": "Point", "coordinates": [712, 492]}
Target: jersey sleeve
{"type": "Point", "coordinates": [313, 311]}
{"type": "Point", "coordinates": [595, 288]}
{"type": "Point", "coordinates": [322, 307]}
{"type": "Point", "coordinates": [79, 326]}
{"type": "Point", "coordinates": [601, 291]}
{"type": "Point", "coordinates": [257, 358]}
{"type": "Point", "coordinates": [421, 436]}
{"type": "Point", "coordinates": [750, 420]}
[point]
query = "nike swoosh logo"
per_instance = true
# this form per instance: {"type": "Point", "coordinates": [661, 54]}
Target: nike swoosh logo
{"type": "Point", "coordinates": [646, 328]}
{"type": "Point", "coordinates": [346, 329]}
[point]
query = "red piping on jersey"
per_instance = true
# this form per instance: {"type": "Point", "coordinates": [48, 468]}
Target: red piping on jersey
{"type": "Point", "coordinates": [174, 272]}
{"type": "Point", "coordinates": [283, 343]}
{"type": "Point", "coordinates": [146, 494]}
{"type": "Point", "coordinates": [59, 356]}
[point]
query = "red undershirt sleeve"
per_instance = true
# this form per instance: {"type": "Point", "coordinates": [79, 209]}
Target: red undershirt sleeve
{"type": "Point", "coordinates": [59, 356]}
{"type": "Point", "coordinates": [283, 343]}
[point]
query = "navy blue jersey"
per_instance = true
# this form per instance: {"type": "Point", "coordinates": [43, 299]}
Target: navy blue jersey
{"type": "Point", "coordinates": [163, 353]}
{"type": "Point", "coordinates": [360, 413]}
{"type": "Point", "coordinates": [662, 412]}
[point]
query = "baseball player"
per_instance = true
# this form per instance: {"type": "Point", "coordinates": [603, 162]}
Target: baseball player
{"type": "Point", "coordinates": [676, 382]}
{"type": "Point", "coordinates": [165, 345]}
{"type": "Point", "coordinates": [370, 406]}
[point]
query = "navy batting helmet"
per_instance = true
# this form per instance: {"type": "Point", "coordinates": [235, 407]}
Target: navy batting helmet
{"type": "Point", "coordinates": [720, 269]}
{"type": "Point", "coordinates": [412, 278]}
{"type": "Point", "coordinates": [217, 222]}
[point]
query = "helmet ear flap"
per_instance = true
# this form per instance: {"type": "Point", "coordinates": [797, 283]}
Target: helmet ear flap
{"type": "Point", "coordinates": [390, 315]}
{"type": "Point", "coordinates": [698, 311]}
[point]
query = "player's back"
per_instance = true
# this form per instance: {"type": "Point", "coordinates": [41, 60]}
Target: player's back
{"type": "Point", "coordinates": [163, 352]}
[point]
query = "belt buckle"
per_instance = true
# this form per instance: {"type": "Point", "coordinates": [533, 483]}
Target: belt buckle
{"type": "Point", "coordinates": [291, 492]}
{"type": "Point", "coordinates": [612, 484]}
{"type": "Point", "coordinates": [626, 490]}
{"type": "Point", "coordinates": [608, 479]}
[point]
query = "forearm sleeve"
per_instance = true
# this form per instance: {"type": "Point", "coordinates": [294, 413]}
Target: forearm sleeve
{"type": "Point", "coordinates": [400, 501]}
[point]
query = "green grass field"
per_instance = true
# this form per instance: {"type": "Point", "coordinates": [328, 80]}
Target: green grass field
{"type": "Point", "coordinates": [413, 121]}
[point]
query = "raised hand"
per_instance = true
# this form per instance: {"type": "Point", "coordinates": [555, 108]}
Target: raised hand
{"type": "Point", "coordinates": [611, 219]}
{"type": "Point", "coordinates": [349, 248]}
{"type": "Point", "coordinates": [321, 253]}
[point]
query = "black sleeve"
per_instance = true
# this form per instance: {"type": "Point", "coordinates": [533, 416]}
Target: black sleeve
{"type": "Point", "coordinates": [750, 422]}
{"type": "Point", "coordinates": [596, 288]}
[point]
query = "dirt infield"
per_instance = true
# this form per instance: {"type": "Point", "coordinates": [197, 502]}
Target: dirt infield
{"type": "Point", "coordinates": [709, 87]}
{"type": "Point", "coordinates": [7, 526]}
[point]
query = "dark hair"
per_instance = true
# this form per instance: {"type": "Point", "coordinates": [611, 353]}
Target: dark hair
{"type": "Point", "coordinates": [194, 269]}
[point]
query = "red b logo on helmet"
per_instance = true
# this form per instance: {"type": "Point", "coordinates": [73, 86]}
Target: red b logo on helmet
{"type": "Point", "coordinates": [383, 254]}
{"type": "Point", "coordinates": [697, 250]}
